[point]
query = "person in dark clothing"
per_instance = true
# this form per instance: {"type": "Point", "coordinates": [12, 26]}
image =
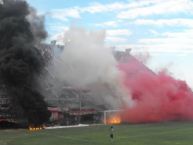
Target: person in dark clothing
{"type": "Point", "coordinates": [112, 133]}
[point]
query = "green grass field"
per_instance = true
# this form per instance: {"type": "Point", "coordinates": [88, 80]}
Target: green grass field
{"type": "Point", "coordinates": [169, 133]}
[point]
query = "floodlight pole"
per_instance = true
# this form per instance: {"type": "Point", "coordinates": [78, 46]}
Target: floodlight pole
{"type": "Point", "coordinates": [80, 107]}
{"type": "Point", "coordinates": [105, 117]}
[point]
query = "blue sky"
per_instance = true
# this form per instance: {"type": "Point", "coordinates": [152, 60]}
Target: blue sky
{"type": "Point", "coordinates": [163, 29]}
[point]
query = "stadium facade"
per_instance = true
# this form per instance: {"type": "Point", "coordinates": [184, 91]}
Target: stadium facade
{"type": "Point", "coordinates": [73, 105]}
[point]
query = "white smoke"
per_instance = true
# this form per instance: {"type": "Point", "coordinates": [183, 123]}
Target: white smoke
{"type": "Point", "coordinates": [87, 63]}
{"type": "Point", "coordinates": [1, 2]}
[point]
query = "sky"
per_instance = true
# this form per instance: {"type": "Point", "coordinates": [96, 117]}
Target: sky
{"type": "Point", "coordinates": [160, 32]}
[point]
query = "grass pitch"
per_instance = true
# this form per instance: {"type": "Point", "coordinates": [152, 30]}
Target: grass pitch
{"type": "Point", "coordinates": [169, 133]}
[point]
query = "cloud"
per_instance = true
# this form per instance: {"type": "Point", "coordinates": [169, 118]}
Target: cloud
{"type": "Point", "coordinates": [116, 39]}
{"type": "Point", "coordinates": [108, 24]}
{"type": "Point", "coordinates": [117, 35]}
{"type": "Point", "coordinates": [157, 8]}
{"type": "Point", "coordinates": [176, 42]}
{"type": "Point", "coordinates": [118, 32]}
{"type": "Point", "coordinates": [93, 8]}
{"type": "Point", "coordinates": [64, 14]}
{"type": "Point", "coordinates": [127, 10]}
{"type": "Point", "coordinates": [58, 33]}
{"type": "Point", "coordinates": [115, 6]}
{"type": "Point", "coordinates": [57, 28]}
{"type": "Point", "coordinates": [166, 22]}
{"type": "Point", "coordinates": [167, 42]}
{"type": "Point", "coordinates": [75, 12]}
{"type": "Point", "coordinates": [154, 32]}
{"type": "Point", "coordinates": [99, 8]}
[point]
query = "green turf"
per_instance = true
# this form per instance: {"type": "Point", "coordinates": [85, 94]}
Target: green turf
{"type": "Point", "coordinates": [170, 133]}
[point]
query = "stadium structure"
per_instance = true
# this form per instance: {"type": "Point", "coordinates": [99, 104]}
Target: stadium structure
{"type": "Point", "coordinates": [73, 105]}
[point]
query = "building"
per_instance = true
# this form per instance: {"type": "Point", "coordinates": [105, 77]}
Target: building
{"type": "Point", "coordinates": [56, 114]}
{"type": "Point", "coordinates": [73, 104]}
{"type": "Point", "coordinates": [4, 105]}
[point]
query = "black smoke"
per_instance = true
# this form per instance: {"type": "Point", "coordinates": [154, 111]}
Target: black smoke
{"type": "Point", "coordinates": [21, 60]}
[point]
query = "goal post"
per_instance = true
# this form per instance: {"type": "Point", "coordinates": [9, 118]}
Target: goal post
{"type": "Point", "coordinates": [112, 116]}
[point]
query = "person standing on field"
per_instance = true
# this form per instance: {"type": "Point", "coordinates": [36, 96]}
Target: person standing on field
{"type": "Point", "coordinates": [112, 133]}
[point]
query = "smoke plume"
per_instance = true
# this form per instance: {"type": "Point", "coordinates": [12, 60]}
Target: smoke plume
{"type": "Point", "coordinates": [87, 63]}
{"type": "Point", "coordinates": [21, 62]}
{"type": "Point", "coordinates": [157, 97]}
{"type": "Point", "coordinates": [127, 84]}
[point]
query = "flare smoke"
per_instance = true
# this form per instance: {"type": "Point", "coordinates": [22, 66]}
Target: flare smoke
{"type": "Point", "coordinates": [143, 95]}
{"type": "Point", "coordinates": [157, 97]}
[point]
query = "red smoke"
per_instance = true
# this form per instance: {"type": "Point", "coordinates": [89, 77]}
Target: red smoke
{"type": "Point", "coordinates": [157, 97]}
